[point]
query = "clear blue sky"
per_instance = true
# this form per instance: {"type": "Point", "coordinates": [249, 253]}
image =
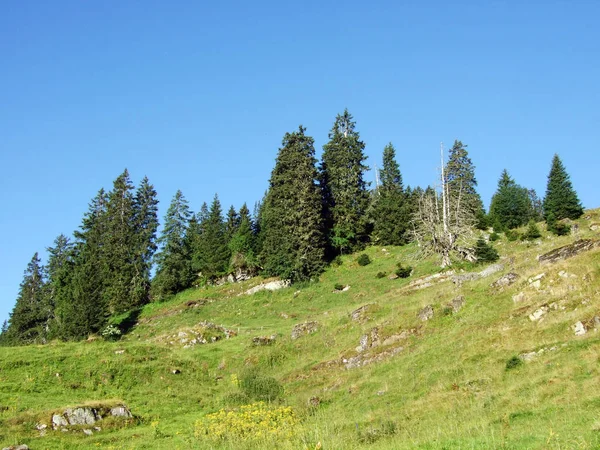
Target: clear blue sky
{"type": "Point", "coordinates": [197, 96]}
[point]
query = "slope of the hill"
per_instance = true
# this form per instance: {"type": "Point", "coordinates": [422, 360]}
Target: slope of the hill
{"type": "Point", "coordinates": [504, 369]}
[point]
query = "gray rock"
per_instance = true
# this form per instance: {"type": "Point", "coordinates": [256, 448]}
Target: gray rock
{"type": "Point", "coordinates": [517, 298]}
{"type": "Point", "coordinates": [271, 286]}
{"type": "Point", "coordinates": [363, 343]}
{"type": "Point", "coordinates": [426, 313]}
{"type": "Point", "coordinates": [461, 278]}
{"type": "Point", "coordinates": [81, 416]}
{"type": "Point", "coordinates": [263, 340]}
{"type": "Point", "coordinates": [568, 251]}
{"type": "Point", "coordinates": [490, 270]}
{"type": "Point", "coordinates": [595, 227]}
{"type": "Point", "coordinates": [538, 314]}
{"type": "Point", "coordinates": [579, 329]}
{"type": "Point", "coordinates": [88, 432]}
{"type": "Point", "coordinates": [17, 447]}
{"type": "Point", "coordinates": [457, 303]}
{"type": "Point", "coordinates": [537, 278]}
{"type": "Point", "coordinates": [505, 280]}
{"type": "Point", "coordinates": [360, 314]}
{"type": "Point", "coordinates": [58, 420]}
{"type": "Point", "coordinates": [121, 411]}
{"type": "Point", "coordinates": [302, 329]}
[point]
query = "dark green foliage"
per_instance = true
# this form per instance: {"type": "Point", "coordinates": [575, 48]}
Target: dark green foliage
{"type": "Point", "coordinates": [494, 237]}
{"type": "Point", "coordinates": [212, 252]}
{"type": "Point", "coordinates": [511, 204]}
{"type": "Point", "coordinates": [380, 275]}
{"type": "Point", "coordinates": [461, 182]}
{"type": "Point", "coordinates": [485, 252]}
{"type": "Point", "coordinates": [402, 271]}
{"type": "Point", "coordinates": [242, 243]}
{"type": "Point", "coordinates": [533, 232]}
{"type": "Point", "coordinates": [391, 212]}
{"type": "Point", "coordinates": [60, 265]}
{"type": "Point", "coordinates": [513, 363]}
{"type": "Point", "coordinates": [173, 272]}
{"type": "Point", "coordinates": [259, 387]}
{"type": "Point", "coordinates": [232, 222]}
{"type": "Point", "coordinates": [28, 320]}
{"type": "Point", "coordinates": [337, 261]}
{"type": "Point", "coordinates": [561, 199]}
{"type": "Point", "coordinates": [556, 227]}
{"type": "Point", "coordinates": [338, 287]}
{"type": "Point", "coordinates": [512, 235]}
{"type": "Point", "coordinates": [344, 190]}
{"type": "Point", "coordinates": [363, 260]}
{"type": "Point", "coordinates": [291, 221]}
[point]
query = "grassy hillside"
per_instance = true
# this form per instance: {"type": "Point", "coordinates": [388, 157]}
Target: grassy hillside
{"type": "Point", "coordinates": [449, 382]}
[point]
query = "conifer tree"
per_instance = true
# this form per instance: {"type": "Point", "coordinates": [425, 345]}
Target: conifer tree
{"type": "Point", "coordinates": [390, 209]}
{"type": "Point", "coordinates": [80, 304]}
{"type": "Point", "coordinates": [241, 243]}
{"type": "Point", "coordinates": [294, 244]}
{"type": "Point", "coordinates": [28, 318]}
{"type": "Point", "coordinates": [511, 205]}
{"type": "Point", "coordinates": [145, 205]}
{"type": "Point", "coordinates": [232, 222]}
{"type": "Point", "coordinates": [213, 249]}
{"type": "Point", "coordinates": [460, 176]}
{"type": "Point", "coordinates": [344, 190]}
{"type": "Point", "coordinates": [60, 261]}
{"type": "Point", "coordinates": [120, 246]}
{"type": "Point", "coordinates": [561, 199]}
{"type": "Point", "coordinates": [174, 271]}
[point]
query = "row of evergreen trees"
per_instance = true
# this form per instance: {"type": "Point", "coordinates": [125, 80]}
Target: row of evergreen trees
{"type": "Point", "coordinates": [311, 213]}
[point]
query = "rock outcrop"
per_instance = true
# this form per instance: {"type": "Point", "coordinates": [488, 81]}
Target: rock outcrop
{"type": "Point", "coordinates": [304, 328]}
{"type": "Point", "coordinates": [568, 251]}
{"type": "Point", "coordinates": [270, 286]}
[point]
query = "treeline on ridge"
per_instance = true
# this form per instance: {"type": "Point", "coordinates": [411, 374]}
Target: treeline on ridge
{"type": "Point", "coordinates": [311, 213]}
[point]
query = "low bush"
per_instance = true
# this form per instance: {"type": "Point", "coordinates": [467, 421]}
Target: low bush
{"type": "Point", "coordinates": [512, 235]}
{"type": "Point", "coordinates": [259, 387]}
{"type": "Point", "coordinates": [363, 260]}
{"type": "Point", "coordinates": [403, 272]}
{"type": "Point", "coordinates": [494, 237]}
{"type": "Point", "coordinates": [513, 363]}
{"type": "Point", "coordinates": [380, 275]}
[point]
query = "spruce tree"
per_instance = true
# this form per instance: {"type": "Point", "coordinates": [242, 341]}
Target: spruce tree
{"type": "Point", "coordinates": [60, 261]}
{"type": "Point", "coordinates": [173, 271]}
{"type": "Point", "coordinates": [213, 250]}
{"type": "Point", "coordinates": [241, 243]}
{"type": "Point", "coordinates": [344, 189]}
{"type": "Point", "coordinates": [292, 223]}
{"type": "Point", "coordinates": [232, 222]}
{"type": "Point", "coordinates": [391, 212]}
{"type": "Point", "coordinates": [461, 181]}
{"type": "Point", "coordinates": [120, 246]}
{"type": "Point", "coordinates": [28, 320]}
{"type": "Point", "coordinates": [511, 205]}
{"type": "Point", "coordinates": [561, 199]}
{"type": "Point", "coordinates": [145, 224]}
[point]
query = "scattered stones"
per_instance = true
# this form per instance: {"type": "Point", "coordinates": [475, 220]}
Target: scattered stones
{"type": "Point", "coordinates": [505, 280]}
{"type": "Point", "coordinates": [426, 313]}
{"type": "Point", "coordinates": [85, 415]}
{"type": "Point", "coordinates": [302, 329]}
{"type": "Point", "coordinates": [314, 402]}
{"type": "Point", "coordinates": [17, 447]}
{"type": "Point", "coordinates": [530, 356]}
{"type": "Point", "coordinates": [457, 303]}
{"type": "Point", "coordinates": [579, 329]}
{"type": "Point", "coordinates": [430, 280]}
{"type": "Point", "coordinates": [595, 227]}
{"type": "Point", "coordinates": [362, 360]}
{"type": "Point", "coordinates": [261, 341]}
{"type": "Point", "coordinates": [536, 278]}
{"type": "Point", "coordinates": [119, 352]}
{"type": "Point", "coordinates": [517, 298]}
{"type": "Point", "coordinates": [568, 251]}
{"type": "Point", "coordinates": [565, 274]}
{"type": "Point", "coordinates": [360, 314]}
{"type": "Point", "coordinates": [369, 340]}
{"type": "Point", "coordinates": [490, 270]}
{"type": "Point", "coordinates": [203, 333]}
{"type": "Point", "coordinates": [120, 411]}
{"type": "Point", "coordinates": [469, 276]}
{"type": "Point", "coordinates": [538, 314]}
{"type": "Point", "coordinates": [271, 286]}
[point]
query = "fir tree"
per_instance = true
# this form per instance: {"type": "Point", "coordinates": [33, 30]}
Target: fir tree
{"type": "Point", "coordinates": [241, 243]}
{"type": "Point", "coordinates": [59, 264]}
{"type": "Point", "coordinates": [121, 246]}
{"type": "Point", "coordinates": [28, 319]}
{"type": "Point", "coordinates": [232, 222]}
{"type": "Point", "coordinates": [145, 225]}
{"type": "Point", "coordinates": [293, 245]}
{"type": "Point", "coordinates": [391, 211]}
{"type": "Point", "coordinates": [561, 199]}
{"type": "Point", "coordinates": [174, 271]}
{"type": "Point", "coordinates": [461, 181]}
{"type": "Point", "coordinates": [511, 204]}
{"type": "Point", "coordinates": [213, 250]}
{"type": "Point", "coordinates": [344, 190]}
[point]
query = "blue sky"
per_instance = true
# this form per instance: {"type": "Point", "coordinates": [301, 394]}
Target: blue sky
{"type": "Point", "coordinates": [198, 95]}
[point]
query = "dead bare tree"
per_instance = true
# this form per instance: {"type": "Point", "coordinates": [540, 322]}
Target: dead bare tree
{"type": "Point", "coordinates": [442, 224]}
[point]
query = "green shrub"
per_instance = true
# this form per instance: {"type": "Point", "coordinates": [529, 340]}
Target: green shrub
{"type": "Point", "coordinates": [513, 363]}
{"type": "Point", "coordinates": [111, 333]}
{"type": "Point", "coordinates": [533, 232]}
{"type": "Point", "coordinates": [337, 261]}
{"type": "Point", "coordinates": [338, 287]}
{"type": "Point", "coordinates": [380, 275]}
{"type": "Point", "coordinates": [512, 235]}
{"type": "Point", "coordinates": [363, 260]}
{"type": "Point", "coordinates": [485, 252]}
{"type": "Point", "coordinates": [259, 387]}
{"type": "Point", "coordinates": [494, 237]}
{"type": "Point", "coordinates": [403, 272]}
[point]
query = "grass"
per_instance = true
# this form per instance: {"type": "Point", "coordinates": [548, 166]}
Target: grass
{"type": "Point", "coordinates": [448, 388]}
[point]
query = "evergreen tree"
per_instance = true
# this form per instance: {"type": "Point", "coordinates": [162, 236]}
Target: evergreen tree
{"type": "Point", "coordinates": [28, 319]}
{"type": "Point", "coordinates": [344, 190]}
{"type": "Point", "coordinates": [241, 243]}
{"type": "Point", "coordinates": [232, 222]}
{"type": "Point", "coordinates": [145, 223]}
{"type": "Point", "coordinates": [561, 199]}
{"type": "Point", "coordinates": [461, 181]}
{"type": "Point", "coordinates": [4, 334]}
{"type": "Point", "coordinates": [121, 246]}
{"type": "Point", "coordinates": [174, 271]}
{"type": "Point", "coordinates": [391, 210]}
{"type": "Point", "coordinates": [59, 263]}
{"type": "Point", "coordinates": [80, 304]}
{"type": "Point", "coordinates": [537, 208]}
{"type": "Point", "coordinates": [294, 244]}
{"type": "Point", "coordinates": [511, 204]}
{"type": "Point", "coordinates": [213, 249]}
